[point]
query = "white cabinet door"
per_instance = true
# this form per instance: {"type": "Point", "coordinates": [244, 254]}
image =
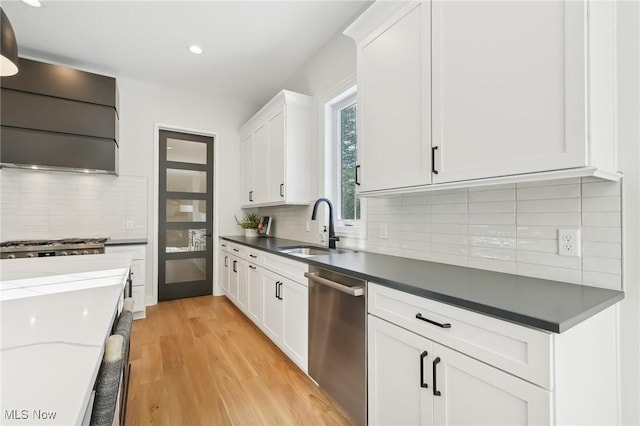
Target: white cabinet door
{"type": "Point", "coordinates": [254, 286]}
{"type": "Point", "coordinates": [243, 291]}
{"type": "Point", "coordinates": [393, 102]}
{"type": "Point", "coordinates": [233, 279]}
{"type": "Point", "coordinates": [399, 364]}
{"type": "Point", "coordinates": [247, 170]}
{"type": "Point", "coordinates": [471, 392]}
{"type": "Point", "coordinates": [508, 91]}
{"type": "Point", "coordinates": [272, 306]}
{"type": "Point", "coordinates": [224, 272]}
{"type": "Point", "coordinates": [276, 158]}
{"type": "Point", "coordinates": [260, 165]}
{"type": "Point", "coordinates": [295, 333]}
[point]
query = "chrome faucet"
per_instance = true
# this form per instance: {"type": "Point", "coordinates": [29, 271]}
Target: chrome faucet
{"type": "Point", "coordinates": [332, 232]}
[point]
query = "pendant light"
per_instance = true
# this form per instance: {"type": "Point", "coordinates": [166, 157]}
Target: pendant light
{"type": "Point", "coordinates": [8, 47]}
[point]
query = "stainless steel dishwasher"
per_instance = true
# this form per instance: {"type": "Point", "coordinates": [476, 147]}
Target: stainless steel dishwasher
{"type": "Point", "coordinates": [337, 345]}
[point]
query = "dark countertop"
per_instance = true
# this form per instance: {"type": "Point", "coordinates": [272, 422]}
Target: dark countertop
{"type": "Point", "coordinates": [548, 305]}
{"type": "Point", "coordinates": [126, 242]}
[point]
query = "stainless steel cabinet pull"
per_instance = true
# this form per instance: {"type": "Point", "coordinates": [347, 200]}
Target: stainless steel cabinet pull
{"type": "Point", "coordinates": [423, 355]}
{"type": "Point", "coordinates": [420, 317]}
{"type": "Point", "coordinates": [436, 392]}
{"type": "Point", "coordinates": [353, 291]}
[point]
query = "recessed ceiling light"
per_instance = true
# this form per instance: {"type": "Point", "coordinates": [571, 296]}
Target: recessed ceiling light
{"type": "Point", "coordinates": [33, 3]}
{"type": "Point", "coordinates": [195, 49]}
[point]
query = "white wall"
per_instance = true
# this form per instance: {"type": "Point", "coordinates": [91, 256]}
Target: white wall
{"type": "Point", "coordinates": [142, 106]}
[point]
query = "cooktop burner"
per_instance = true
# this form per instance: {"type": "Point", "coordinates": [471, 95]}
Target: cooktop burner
{"type": "Point", "coordinates": [46, 248]}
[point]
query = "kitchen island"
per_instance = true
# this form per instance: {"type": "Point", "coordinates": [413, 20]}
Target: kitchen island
{"type": "Point", "coordinates": [56, 314]}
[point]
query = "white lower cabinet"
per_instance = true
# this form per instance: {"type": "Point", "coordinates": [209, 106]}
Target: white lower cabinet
{"type": "Point", "coordinates": [233, 279]}
{"type": "Point", "coordinates": [254, 293]}
{"type": "Point", "coordinates": [225, 268]}
{"type": "Point", "coordinates": [415, 381]}
{"type": "Point", "coordinates": [286, 316]}
{"type": "Point", "coordinates": [433, 363]}
{"type": "Point", "coordinates": [243, 291]}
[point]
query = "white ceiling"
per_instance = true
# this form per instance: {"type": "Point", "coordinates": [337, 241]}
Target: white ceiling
{"type": "Point", "coordinates": [250, 48]}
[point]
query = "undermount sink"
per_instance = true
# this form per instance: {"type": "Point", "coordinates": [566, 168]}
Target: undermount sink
{"type": "Point", "coordinates": [308, 251]}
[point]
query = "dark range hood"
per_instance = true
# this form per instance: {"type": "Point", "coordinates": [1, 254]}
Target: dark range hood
{"type": "Point", "coordinates": [58, 118]}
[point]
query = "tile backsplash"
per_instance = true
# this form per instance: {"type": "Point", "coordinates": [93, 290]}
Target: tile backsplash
{"type": "Point", "coordinates": [509, 228]}
{"type": "Point", "coordinates": [42, 204]}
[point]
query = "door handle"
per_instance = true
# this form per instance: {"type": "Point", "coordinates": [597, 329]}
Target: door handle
{"type": "Point", "coordinates": [423, 355]}
{"type": "Point", "coordinates": [208, 235]}
{"type": "Point", "coordinates": [433, 160]}
{"type": "Point", "coordinates": [436, 392]}
{"type": "Point", "coordinates": [441, 325]}
{"type": "Point", "coordinates": [353, 291]}
{"type": "Point", "coordinates": [282, 190]}
{"type": "Point", "coordinates": [357, 169]}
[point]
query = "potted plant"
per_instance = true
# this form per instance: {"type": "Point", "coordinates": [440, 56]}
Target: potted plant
{"type": "Point", "coordinates": [249, 223]}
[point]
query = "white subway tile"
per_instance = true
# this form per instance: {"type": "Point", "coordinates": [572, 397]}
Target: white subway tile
{"type": "Point", "coordinates": [603, 235]}
{"type": "Point", "coordinates": [610, 250]}
{"type": "Point", "coordinates": [453, 249]}
{"type": "Point", "coordinates": [601, 204]}
{"type": "Point", "coordinates": [548, 206]}
{"type": "Point", "coordinates": [597, 219]}
{"type": "Point", "coordinates": [600, 189]}
{"type": "Point", "coordinates": [416, 220]}
{"type": "Point", "coordinates": [451, 259]}
{"type": "Point", "coordinates": [549, 259]}
{"type": "Point", "coordinates": [539, 232]}
{"type": "Point", "coordinates": [449, 208]}
{"type": "Point", "coordinates": [492, 219]}
{"type": "Point", "coordinates": [548, 192]}
{"type": "Point", "coordinates": [493, 195]}
{"type": "Point", "coordinates": [492, 230]}
{"type": "Point", "coordinates": [416, 199]}
{"type": "Point", "coordinates": [423, 246]}
{"type": "Point", "coordinates": [602, 264]}
{"type": "Point", "coordinates": [493, 207]}
{"type": "Point", "coordinates": [598, 279]}
{"type": "Point", "coordinates": [549, 219]}
{"type": "Point", "coordinates": [492, 241]}
{"type": "Point", "coordinates": [449, 218]}
{"type": "Point", "coordinates": [417, 209]}
{"type": "Point", "coordinates": [492, 187]}
{"type": "Point", "coordinates": [544, 246]}
{"type": "Point", "coordinates": [549, 272]}
{"type": "Point", "coordinates": [415, 235]}
{"type": "Point", "coordinates": [449, 228]}
{"type": "Point", "coordinates": [449, 239]}
{"type": "Point", "coordinates": [448, 197]}
{"type": "Point", "coordinates": [494, 253]}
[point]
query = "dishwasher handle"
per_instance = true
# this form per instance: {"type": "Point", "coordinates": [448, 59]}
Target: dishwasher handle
{"type": "Point", "coordinates": [353, 291]}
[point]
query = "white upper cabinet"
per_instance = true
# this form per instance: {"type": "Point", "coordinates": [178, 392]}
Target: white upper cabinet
{"type": "Point", "coordinates": [393, 108]}
{"type": "Point", "coordinates": [468, 92]}
{"type": "Point", "coordinates": [278, 160]}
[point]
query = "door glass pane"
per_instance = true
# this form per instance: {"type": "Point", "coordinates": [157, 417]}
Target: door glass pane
{"type": "Point", "coordinates": [183, 270]}
{"type": "Point", "coordinates": [186, 151]}
{"type": "Point", "coordinates": [186, 181]}
{"type": "Point", "coordinates": [181, 240]}
{"type": "Point", "coordinates": [186, 210]}
{"type": "Point", "coordinates": [349, 201]}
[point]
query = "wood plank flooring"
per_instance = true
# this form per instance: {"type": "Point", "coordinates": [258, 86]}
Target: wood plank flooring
{"type": "Point", "coordinates": [200, 361]}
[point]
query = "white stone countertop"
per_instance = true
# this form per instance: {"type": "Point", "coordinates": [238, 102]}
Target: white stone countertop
{"type": "Point", "coordinates": [55, 315]}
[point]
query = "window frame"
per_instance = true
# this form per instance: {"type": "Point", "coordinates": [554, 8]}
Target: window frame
{"type": "Point", "coordinates": [344, 96]}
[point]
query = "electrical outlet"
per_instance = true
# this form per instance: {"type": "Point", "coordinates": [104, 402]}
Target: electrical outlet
{"type": "Point", "coordinates": [129, 224]}
{"type": "Point", "coordinates": [569, 242]}
{"type": "Point", "coordinates": [383, 231]}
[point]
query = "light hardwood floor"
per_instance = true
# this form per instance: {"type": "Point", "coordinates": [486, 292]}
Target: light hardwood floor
{"type": "Point", "coordinates": [200, 361]}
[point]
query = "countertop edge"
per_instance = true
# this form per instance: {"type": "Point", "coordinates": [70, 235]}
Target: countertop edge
{"type": "Point", "coordinates": [492, 311]}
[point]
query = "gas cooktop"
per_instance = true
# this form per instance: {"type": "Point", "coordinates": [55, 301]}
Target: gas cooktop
{"type": "Point", "coordinates": [47, 248]}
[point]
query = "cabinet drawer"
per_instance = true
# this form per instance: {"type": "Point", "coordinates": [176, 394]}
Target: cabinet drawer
{"type": "Point", "coordinates": [137, 272]}
{"type": "Point", "coordinates": [291, 269]}
{"type": "Point", "coordinates": [521, 351]}
{"type": "Point", "coordinates": [225, 245]}
{"type": "Point", "coordinates": [247, 253]}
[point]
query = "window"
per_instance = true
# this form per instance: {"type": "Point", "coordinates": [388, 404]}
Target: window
{"type": "Point", "coordinates": [341, 155]}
